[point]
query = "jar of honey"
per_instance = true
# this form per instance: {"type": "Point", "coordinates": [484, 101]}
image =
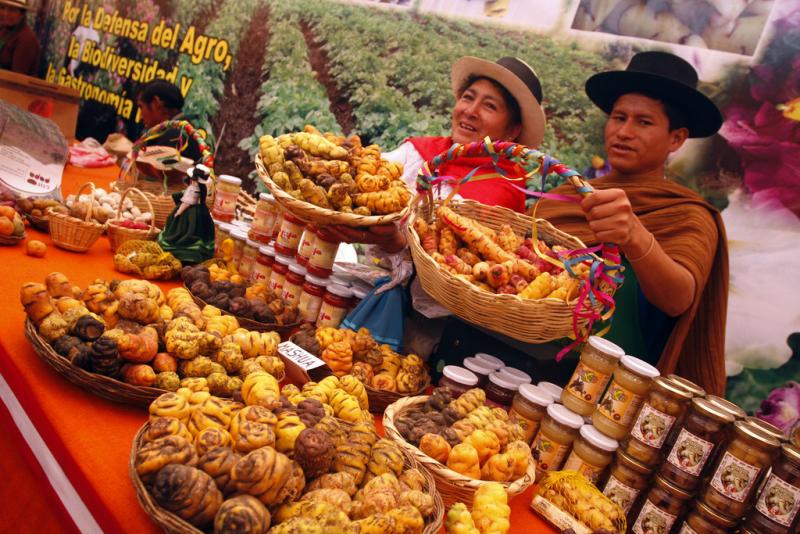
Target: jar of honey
{"type": "Point", "coordinates": [599, 359]}
{"type": "Point", "coordinates": [591, 453]}
{"type": "Point", "coordinates": [528, 408]}
{"type": "Point", "coordinates": [553, 442]}
{"type": "Point", "coordinates": [621, 401]}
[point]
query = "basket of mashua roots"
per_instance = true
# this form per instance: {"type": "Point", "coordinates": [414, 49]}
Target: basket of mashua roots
{"type": "Point", "coordinates": [329, 179]}
{"type": "Point", "coordinates": [386, 374]}
{"type": "Point", "coordinates": [129, 342]}
{"type": "Point", "coordinates": [485, 265]}
{"type": "Point", "coordinates": [204, 463]}
{"type": "Point", "coordinates": [462, 442]}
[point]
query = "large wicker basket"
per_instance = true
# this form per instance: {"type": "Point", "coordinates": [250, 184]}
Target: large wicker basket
{"type": "Point", "coordinates": [74, 234]}
{"type": "Point", "coordinates": [380, 399]}
{"type": "Point", "coordinates": [174, 524]}
{"type": "Point", "coordinates": [314, 214]}
{"type": "Point", "coordinates": [117, 234]}
{"type": "Point", "coordinates": [531, 321]}
{"type": "Point", "coordinates": [282, 329]}
{"type": "Point", "coordinates": [102, 386]}
{"type": "Point", "coordinates": [453, 486]}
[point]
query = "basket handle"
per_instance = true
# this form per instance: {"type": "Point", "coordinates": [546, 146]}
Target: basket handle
{"type": "Point", "coordinates": [91, 198]}
{"type": "Point", "coordinates": [149, 206]}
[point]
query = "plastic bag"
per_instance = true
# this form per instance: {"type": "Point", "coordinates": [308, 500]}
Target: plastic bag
{"type": "Point", "coordinates": [90, 153]}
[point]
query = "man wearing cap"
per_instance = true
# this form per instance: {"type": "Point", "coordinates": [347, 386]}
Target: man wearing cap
{"type": "Point", "coordinates": [672, 307]}
{"type": "Point", "coordinates": [19, 48]}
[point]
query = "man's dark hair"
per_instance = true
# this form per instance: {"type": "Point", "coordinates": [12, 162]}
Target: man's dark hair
{"type": "Point", "coordinates": [167, 92]}
{"type": "Point", "coordinates": [508, 98]}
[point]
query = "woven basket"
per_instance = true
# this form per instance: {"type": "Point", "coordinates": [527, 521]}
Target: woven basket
{"type": "Point", "coordinates": [322, 216]}
{"type": "Point", "coordinates": [100, 385]}
{"type": "Point", "coordinates": [9, 240]}
{"type": "Point", "coordinates": [282, 329]}
{"type": "Point", "coordinates": [39, 223]}
{"type": "Point", "coordinates": [117, 234]}
{"type": "Point", "coordinates": [453, 486]}
{"type": "Point", "coordinates": [71, 233]}
{"type": "Point", "coordinates": [174, 524]}
{"type": "Point", "coordinates": [380, 399]}
{"type": "Point", "coordinates": [528, 320]}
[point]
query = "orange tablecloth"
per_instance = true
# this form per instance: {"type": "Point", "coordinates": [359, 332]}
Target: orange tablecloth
{"type": "Point", "coordinates": [89, 437]}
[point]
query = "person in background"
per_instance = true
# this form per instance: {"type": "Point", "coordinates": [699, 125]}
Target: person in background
{"type": "Point", "coordinates": [159, 101]}
{"type": "Point", "coordinates": [19, 48]}
{"type": "Point", "coordinates": [671, 308]}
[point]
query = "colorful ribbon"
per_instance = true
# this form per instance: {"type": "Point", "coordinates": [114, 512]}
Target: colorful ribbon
{"type": "Point", "coordinates": [604, 260]}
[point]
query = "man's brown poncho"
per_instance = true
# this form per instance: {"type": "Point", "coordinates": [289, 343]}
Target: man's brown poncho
{"type": "Point", "coordinates": [692, 233]}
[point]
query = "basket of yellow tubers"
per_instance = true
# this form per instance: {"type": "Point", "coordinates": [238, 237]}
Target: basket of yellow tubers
{"type": "Point", "coordinates": [328, 179]}
{"type": "Point", "coordinates": [509, 272]}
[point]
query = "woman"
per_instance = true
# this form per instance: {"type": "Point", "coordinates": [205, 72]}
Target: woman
{"type": "Point", "coordinates": [19, 48]}
{"type": "Point", "coordinates": [499, 101]}
{"type": "Point", "coordinates": [160, 101]}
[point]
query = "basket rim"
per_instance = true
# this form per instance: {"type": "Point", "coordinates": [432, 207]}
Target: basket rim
{"type": "Point", "coordinates": [173, 523]}
{"type": "Point", "coordinates": [314, 214]}
{"type": "Point", "coordinates": [116, 220]}
{"type": "Point", "coordinates": [438, 469]}
{"type": "Point", "coordinates": [250, 324]}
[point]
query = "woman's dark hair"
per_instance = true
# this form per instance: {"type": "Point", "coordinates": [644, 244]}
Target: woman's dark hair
{"type": "Point", "coordinates": [167, 92]}
{"type": "Point", "coordinates": [511, 103]}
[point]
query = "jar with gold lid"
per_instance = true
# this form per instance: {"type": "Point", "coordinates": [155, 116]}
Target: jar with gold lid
{"type": "Point", "coordinates": [626, 481]}
{"type": "Point", "coordinates": [528, 408]}
{"type": "Point", "coordinates": [728, 406]}
{"type": "Point", "coordinates": [591, 453]}
{"type": "Point", "coordinates": [704, 520]}
{"type": "Point", "coordinates": [664, 405]}
{"type": "Point", "coordinates": [661, 508]}
{"type": "Point", "coordinates": [767, 428]}
{"type": "Point", "coordinates": [599, 359]}
{"type": "Point", "coordinates": [738, 469]}
{"type": "Point", "coordinates": [554, 440]}
{"type": "Point", "coordinates": [688, 385]}
{"type": "Point", "coordinates": [621, 401]}
{"type": "Point", "coordinates": [702, 434]}
{"type": "Point", "coordinates": [778, 505]}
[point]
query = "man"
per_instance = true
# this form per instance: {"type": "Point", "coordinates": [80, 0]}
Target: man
{"type": "Point", "coordinates": [671, 309]}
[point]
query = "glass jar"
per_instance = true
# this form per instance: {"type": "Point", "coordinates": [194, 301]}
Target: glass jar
{"type": "Point", "coordinates": [481, 369]}
{"type": "Point", "coordinates": [591, 453]}
{"type": "Point", "coordinates": [335, 305]}
{"type": "Point", "coordinates": [457, 379]}
{"type": "Point", "coordinates": [278, 221]}
{"type": "Point", "coordinates": [293, 284]}
{"type": "Point", "coordinates": [496, 363]}
{"type": "Point", "coordinates": [552, 443]}
{"type": "Point", "coordinates": [500, 390]}
{"type": "Point", "coordinates": [688, 385]}
{"type": "Point", "coordinates": [704, 520]}
{"type": "Point", "coordinates": [620, 403]}
{"type": "Point", "coordinates": [626, 481]}
{"type": "Point", "coordinates": [599, 358]}
{"type": "Point", "coordinates": [262, 268]}
{"type": "Point", "coordinates": [738, 470]}
{"type": "Point", "coordinates": [249, 256]}
{"type": "Point", "coordinates": [278, 275]}
{"type": "Point", "coordinates": [777, 507]}
{"type": "Point", "coordinates": [528, 408]}
{"type": "Point", "coordinates": [306, 246]}
{"type": "Point", "coordinates": [227, 191]}
{"type": "Point", "coordinates": [264, 219]}
{"type": "Point", "coordinates": [222, 232]}
{"type": "Point", "coordinates": [322, 257]}
{"type": "Point", "coordinates": [359, 294]}
{"type": "Point", "coordinates": [665, 403]}
{"type": "Point", "coordinates": [239, 240]}
{"type": "Point", "coordinates": [703, 432]}
{"type": "Point", "coordinates": [289, 235]}
{"type": "Point", "coordinates": [660, 509]}
{"type": "Point", "coordinates": [727, 406]}
{"type": "Point", "coordinates": [515, 375]}
{"type": "Point", "coordinates": [767, 428]}
{"type": "Point", "coordinates": [310, 300]}
{"type": "Point", "coordinates": [552, 389]}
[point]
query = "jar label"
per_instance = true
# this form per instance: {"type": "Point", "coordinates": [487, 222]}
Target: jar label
{"type": "Point", "coordinates": [324, 254]}
{"type": "Point", "coordinates": [291, 292]}
{"type": "Point", "coordinates": [779, 501]}
{"type": "Point", "coordinates": [260, 272]}
{"type": "Point", "coordinates": [306, 244]}
{"type": "Point", "coordinates": [652, 426]}
{"type": "Point", "coordinates": [653, 520]}
{"type": "Point", "coordinates": [263, 221]}
{"type": "Point", "coordinates": [308, 305]}
{"type": "Point", "coordinates": [330, 315]}
{"type": "Point", "coordinates": [587, 384]}
{"type": "Point", "coordinates": [686, 529]}
{"type": "Point", "coordinates": [734, 478]}
{"type": "Point", "coordinates": [289, 235]}
{"type": "Point", "coordinates": [622, 494]}
{"type": "Point", "coordinates": [548, 454]}
{"type": "Point", "coordinates": [575, 463]}
{"type": "Point", "coordinates": [529, 426]}
{"type": "Point", "coordinates": [276, 281]}
{"type": "Point", "coordinates": [224, 204]}
{"type": "Point", "coordinates": [619, 404]}
{"type": "Point", "coordinates": [690, 453]}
